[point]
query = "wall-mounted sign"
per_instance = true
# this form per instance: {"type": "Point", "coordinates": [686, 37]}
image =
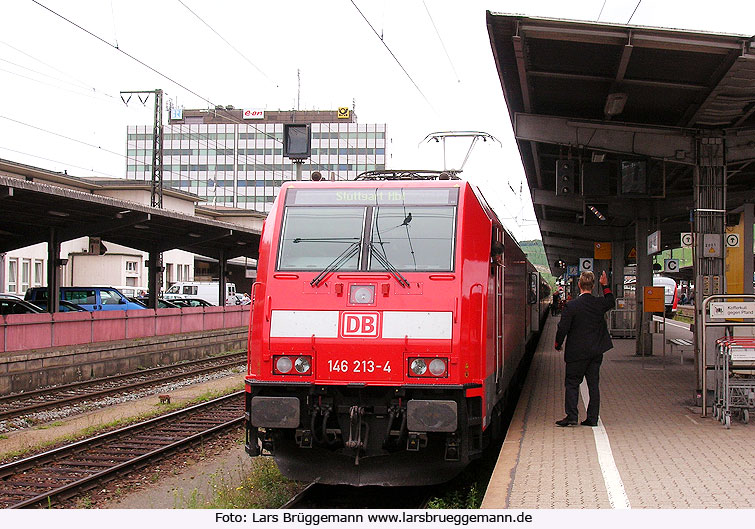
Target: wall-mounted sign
{"type": "Point", "coordinates": [572, 270]}
{"type": "Point", "coordinates": [686, 240]}
{"type": "Point", "coordinates": [732, 240]}
{"type": "Point", "coordinates": [671, 265]}
{"type": "Point", "coordinates": [585, 264]}
{"type": "Point", "coordinates": [711, 245]}
{"type": "Point", "coordinates": [253, 113]}
{"type": "Point", "coordinates": [602, 250]}
{"type": "Point", "coordinates": [654, 242]}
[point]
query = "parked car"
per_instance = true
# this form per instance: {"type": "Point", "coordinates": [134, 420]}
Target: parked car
{"type": "Point", "coordinates": [64, 306]}
{"type": "Point", "coordinates": [207, 290]}
{"type": "Point", "coordinates": [161, 303]}
{"type": "Point", "coordinates": [10, 304]}
{"type": "Point", "coordinates": [90, 298]}
{"type": "Point", "coordinates": [191, 302]}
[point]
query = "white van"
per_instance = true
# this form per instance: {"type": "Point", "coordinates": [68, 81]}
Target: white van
{"type": "Point", "coordinates": [206, 290]}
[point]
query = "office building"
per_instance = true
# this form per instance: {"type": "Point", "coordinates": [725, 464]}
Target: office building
{"type": "Point", "coordinates": [234, 158]}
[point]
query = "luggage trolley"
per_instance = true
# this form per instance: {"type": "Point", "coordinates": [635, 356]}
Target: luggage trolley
{"type": "Point", "coordinates": [735, 379]}
{"type": "Point", "coordinates": [734, 358]}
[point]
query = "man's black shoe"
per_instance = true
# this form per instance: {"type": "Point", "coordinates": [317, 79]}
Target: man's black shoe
{"type": "Point", "coordinates": [588, 422]}
{"type": "Point", "coordinates": [566, 421]}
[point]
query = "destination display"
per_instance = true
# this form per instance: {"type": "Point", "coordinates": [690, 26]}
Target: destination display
{"type": "Point", "coordinates": [371, 197]}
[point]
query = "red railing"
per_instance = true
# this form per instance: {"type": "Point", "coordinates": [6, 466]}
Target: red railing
{"type": "Point", "coordinates": [19, 332]}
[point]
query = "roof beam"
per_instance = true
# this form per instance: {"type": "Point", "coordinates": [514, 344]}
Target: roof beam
{"type": "Point", "coordinates": [640, 37]}
{"type": "Point", "coordinates": [522, 71]}
{"type": "Point", "coordinates": [606, 78]}
{"type": "Point", "coordinates": [604, 233]}
{"type": "Point", "coordinates": [549, 198]}
{"type": "Point", "coordinates": [564, 242]}
{"type": "Point", "coordinates": [655, 142]}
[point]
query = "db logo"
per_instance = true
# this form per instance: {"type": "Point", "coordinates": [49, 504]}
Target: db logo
{"type": "Point", "coordinates": [361, 324]}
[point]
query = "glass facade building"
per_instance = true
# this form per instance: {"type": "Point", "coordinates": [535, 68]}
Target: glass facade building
{"type": "Point", "coordinates": [234, 162]}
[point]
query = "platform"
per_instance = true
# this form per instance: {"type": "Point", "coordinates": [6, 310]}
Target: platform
{"type": "Point", "coordinates": [651, 449]}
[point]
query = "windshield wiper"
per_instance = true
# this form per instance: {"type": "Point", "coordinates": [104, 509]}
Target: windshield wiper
{"type": "Point", "coordinates": [385, 263]}
{"type": "Point", "coordinates": [337, 263]}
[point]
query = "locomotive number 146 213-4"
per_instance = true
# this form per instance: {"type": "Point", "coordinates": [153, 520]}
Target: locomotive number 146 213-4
{"type": "Point", "coordinates": [357, 366]}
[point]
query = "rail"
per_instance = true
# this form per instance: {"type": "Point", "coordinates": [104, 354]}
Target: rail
{"type": "Point", "coordinates": [42, 479]}
{"type": "Point", "coordinates": [18, 404]}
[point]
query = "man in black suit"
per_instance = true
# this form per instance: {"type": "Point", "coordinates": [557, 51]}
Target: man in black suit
{"type": "Point", "coordinates": [583, 321]}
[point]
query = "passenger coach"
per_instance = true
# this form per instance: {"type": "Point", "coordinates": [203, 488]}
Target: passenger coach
{"type": "Point", "coordinates": [389, 317]}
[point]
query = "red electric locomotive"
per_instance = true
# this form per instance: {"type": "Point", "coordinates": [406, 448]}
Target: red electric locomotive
{"type": "Point", "coordinates": [389, 317]}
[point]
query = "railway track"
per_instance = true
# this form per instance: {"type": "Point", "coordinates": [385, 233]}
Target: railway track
{"type": "Point", "coordinates": [47, 478]}
{"type": "Point", "coordinates": [318, 496]}
{"type": "Point", "coordinates": [33, 401]}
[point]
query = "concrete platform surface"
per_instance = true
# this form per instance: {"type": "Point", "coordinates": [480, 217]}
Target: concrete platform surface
{"type": "Point", "coordinates": [651, 450]}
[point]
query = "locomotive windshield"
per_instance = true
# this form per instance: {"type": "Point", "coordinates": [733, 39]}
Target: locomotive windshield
{"type": "Point", "coordinates": [314, 238]}
{"type": "Point", "coordinates": [414, 238]}
{"type": "Point", "coordinates": [407, 230]}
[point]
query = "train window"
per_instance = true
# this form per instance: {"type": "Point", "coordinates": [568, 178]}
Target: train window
{"type": "Point", "coordinates": [414, 238]}
{"type": "Point", "coordinates": [315, 237]}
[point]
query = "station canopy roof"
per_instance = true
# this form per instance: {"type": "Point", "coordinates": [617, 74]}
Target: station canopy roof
{"type": "Point", "coordinates": [631, 96]}
{"type": "Point", "coordinates": [29, 209]}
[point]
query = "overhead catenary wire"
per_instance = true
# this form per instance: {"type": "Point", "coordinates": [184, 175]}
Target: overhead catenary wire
{"type": "Point", "coordinates": [221, 37]}
{"type": "Point", "coordinates": [392, 55]}
{"type": "Point", "coordinates": [154, 70]}
{"type": "Point", "coordinates": [601, 10]}
{"type": "Point", "coordinates": [79, 93]}
{"type": "Point", "coordinates": [443, 44]}
{"type": "Point", "coordinates": [83, 84]}
{"type": "Point", "coordinates": [633, 12]}
{"type": "Point", "coordinates": [74, 84]}
{"type": "Point", "coordinates": [58, 161]}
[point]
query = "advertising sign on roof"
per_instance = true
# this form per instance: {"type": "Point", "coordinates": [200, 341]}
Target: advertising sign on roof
{"type": "Point", "coordinates": [253, 113]}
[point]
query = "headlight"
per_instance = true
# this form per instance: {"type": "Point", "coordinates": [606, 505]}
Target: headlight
{"type": "Point", "coordinates": [428, 367]}
{"type": "Point", "coordinates": [437, 367]}
{"type": "Point", "coordinates": [362, 294]}
{"type": "Point", "coordinates": [283, 364]}
{"type": "Point", "coordinates": [292, 365]}
{"type": "Point", "coordinates": [302, 365]}
{"type": "Point", "coordinates": [418, 366]}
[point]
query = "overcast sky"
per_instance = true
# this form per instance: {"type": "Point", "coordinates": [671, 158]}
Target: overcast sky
{"type": "Point", "coordinates": [56, 77]}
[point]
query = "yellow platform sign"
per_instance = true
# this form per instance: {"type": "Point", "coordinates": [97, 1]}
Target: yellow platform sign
{"type": "Point", "coordinates": [653, 298]}
{"type": "Point", "coordinates": [602, 250]}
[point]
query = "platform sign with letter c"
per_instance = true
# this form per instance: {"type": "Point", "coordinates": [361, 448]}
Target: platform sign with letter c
{"type": "Point", "coordinates": [671, 265]}
{"type": "Point", "coordinates": [585, 264]}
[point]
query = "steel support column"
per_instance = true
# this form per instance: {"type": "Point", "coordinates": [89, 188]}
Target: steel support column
{"type": "Point", "coordinates": [709, 226]}
{"type": "Point", "coordinates": [644, 279]}
{"type": "Point", "coordinates": [54, 265]}
{"type": "Point", "coordinates": [747, 244]}
{"type": "Point", "coordinates": [222, 269]}
{"type": "Point", "coordinates": [154, 277]}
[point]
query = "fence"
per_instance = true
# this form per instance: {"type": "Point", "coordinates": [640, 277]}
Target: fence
{"type": "Point", "coordinates": [19, 332]}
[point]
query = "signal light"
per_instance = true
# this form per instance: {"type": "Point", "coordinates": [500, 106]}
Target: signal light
{"type": "Point", "coordinates": [565, 176]}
